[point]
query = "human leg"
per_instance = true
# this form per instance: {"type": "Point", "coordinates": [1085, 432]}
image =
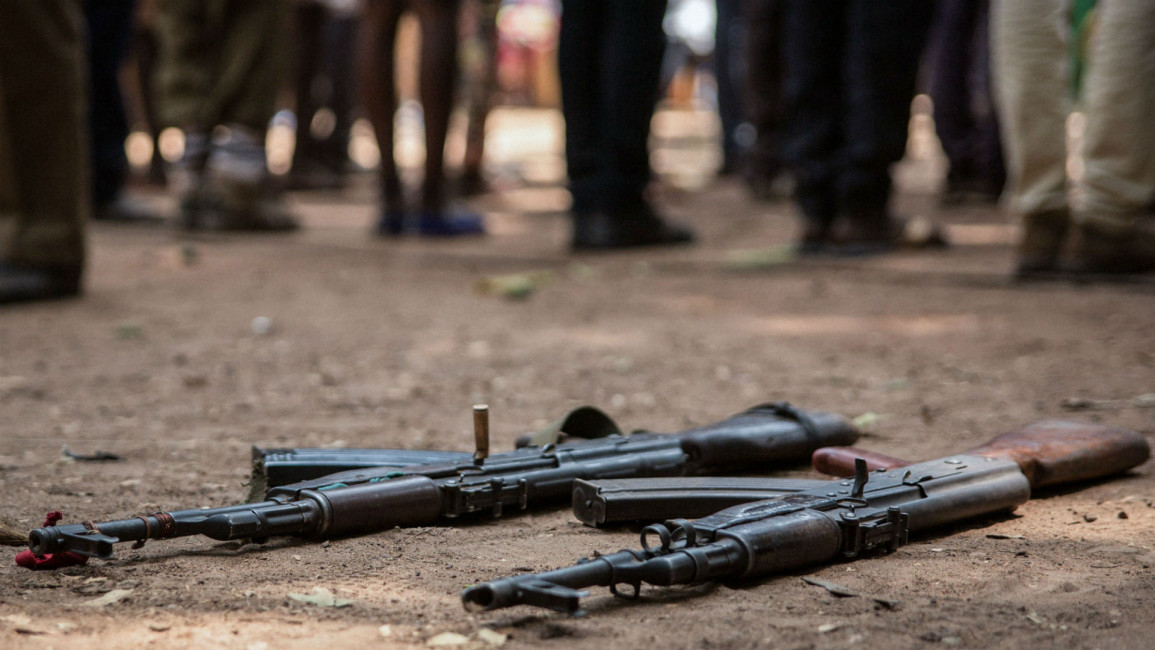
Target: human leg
{"type": "Point", "coordinates": [763, 83]}
{"type": "Point", "coordinates": [44, 196]}
{"type": "Point", "coordinates": [109, 27]}
{"type": "Point", "coordinates": [884, 44]}
{"type": "Point", "coordinates": [610, 210]}
{"type": "Point", "coordinates": [375, 74]}
{"type": "Point", "coordinates": [1117, 224]}
{"type": "Point", "coordinates": [814, 37]}
{"type": "Point", "coordinates": [438, 74]}
{"type": "Point", "coordinates": [1028, 51]}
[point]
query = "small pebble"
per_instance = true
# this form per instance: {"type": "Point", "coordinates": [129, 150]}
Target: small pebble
{"type": "Point", "coordinates": [262, 325]}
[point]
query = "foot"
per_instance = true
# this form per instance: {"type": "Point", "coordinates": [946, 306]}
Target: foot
{"type": "Point", "coordinates": [1042, 241]}
{"type": "Point", "coordinates": [877, 233]}
{"type": "Point", "coordinates": [601, 231]}
{"type": "Point", "coordinates": [447, 224]}
{"type": "Point", "coordinates": [313, 176]}
{"type": "Point", "coordinates": [235, 193]}
{"type": "Point", "coordinates": [210, 211]}
{"type": "Point", "coordinates": [472, 183]}
{"type": "Point", "coordinates": [391, 224]}
{"type": "Point", "coordinates": [816, 238]}
{"type": "Point", "coordinates": [1120, 250]}
{"type": "Point", "coordinates": [970, 190]}
{"type": "Point", "coordinates": [27, 283]}
{"type": "Point", "coordinates": [126, 210]}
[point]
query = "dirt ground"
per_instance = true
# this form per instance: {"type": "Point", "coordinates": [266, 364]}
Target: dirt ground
{"type": "Point", "coordinates": [389, 343]}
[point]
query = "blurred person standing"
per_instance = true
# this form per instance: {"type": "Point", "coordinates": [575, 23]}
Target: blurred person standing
{"type": "Point", "coordinates": [222, 64]}
{"type": "Point", "coordinates": [610, 57]}
{"type": "Point", "coordinates": [850, 68]}
{"type": "Point", "coordinates": [1112, 222]}
{"type": "Point", "coordinates": [436, 78]}
{"type": "Point", "coordinates": [44, 195]}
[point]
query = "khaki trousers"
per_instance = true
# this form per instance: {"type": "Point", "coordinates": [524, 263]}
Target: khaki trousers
{"type": "Point", "coordinates": [44, 198]}
{"type": "Point", "coordinates": [1029, 42]}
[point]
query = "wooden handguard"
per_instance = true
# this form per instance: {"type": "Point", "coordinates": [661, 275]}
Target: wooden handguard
{"type": "Point", "coordinates": [1049, 452]}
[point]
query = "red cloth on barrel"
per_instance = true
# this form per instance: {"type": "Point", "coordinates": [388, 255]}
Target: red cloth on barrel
{"type": "Point", "coordinates": [49, 561]}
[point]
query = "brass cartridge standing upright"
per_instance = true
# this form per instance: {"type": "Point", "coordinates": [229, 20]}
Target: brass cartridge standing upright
{"type": "Point", "coordinates": [480, 432]}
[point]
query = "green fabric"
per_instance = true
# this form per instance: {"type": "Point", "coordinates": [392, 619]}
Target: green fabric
{"type": "Point", "coordinates": [43, 143]}
{"type": "Point", "coordinates": [1082, 29]}
{"type": "Point", "coordinates": [221, 62]}
{"type": "Point", "coordinates": [582, 422]}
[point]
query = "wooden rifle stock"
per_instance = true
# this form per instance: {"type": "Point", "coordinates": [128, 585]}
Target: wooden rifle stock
{"type": "Point", "coordinates": [1050, 452]}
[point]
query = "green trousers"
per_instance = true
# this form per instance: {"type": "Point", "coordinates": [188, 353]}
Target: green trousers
{"type": "Point", "coordinates": [44, 199]}
{"type": "Point", "coordinates": [221, 62]}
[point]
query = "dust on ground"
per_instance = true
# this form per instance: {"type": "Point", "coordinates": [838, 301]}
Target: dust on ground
{"type": "Point", "coordinates": [387, 343]}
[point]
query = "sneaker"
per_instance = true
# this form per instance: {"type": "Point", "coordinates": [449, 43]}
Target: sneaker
{"type": "Point", "coordinates": [235, 193]}
{"type": "Point", "coordinates": [877, 233]}
{"type": "Point", "coordinates": [391, 224]}
{"type": "Point", "coordinates": [446, 224]}
{"type": "Point", "coordinates": [602, 231]}
{"type": "Point", "coordinates": [28, 283]}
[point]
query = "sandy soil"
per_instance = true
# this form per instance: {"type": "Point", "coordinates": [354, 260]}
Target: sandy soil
{"type": "Point", "coordinates": [386, 343]}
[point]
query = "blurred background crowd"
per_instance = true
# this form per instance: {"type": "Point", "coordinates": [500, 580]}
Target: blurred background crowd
{"type": "Point", "coordinates": [229, 103]}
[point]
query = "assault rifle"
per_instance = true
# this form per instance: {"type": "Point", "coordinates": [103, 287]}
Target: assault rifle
{"type": "Point", "coordinates": [375, 499]}
{"type": "Point", "coordinates": [807, 524]}
{"type": "Point", "coordinates": [274, 467]}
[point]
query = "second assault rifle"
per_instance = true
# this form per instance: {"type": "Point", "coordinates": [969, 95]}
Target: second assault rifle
{"type": "Point", "coordinates": [812, 522]}
{"type": "Point", "coordinates": [374, 499]}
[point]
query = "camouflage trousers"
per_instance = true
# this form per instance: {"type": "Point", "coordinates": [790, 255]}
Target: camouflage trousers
{"type": "Point", "coordinates": [221, 62]}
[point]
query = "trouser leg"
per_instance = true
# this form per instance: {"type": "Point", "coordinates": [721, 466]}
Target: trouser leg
{"type": "Point", "coordinates": [764, 72]}
{"type": "Point", "coordinates": [252, 64]}
{"type": "Point", "coordinates": [1028, 51]}
{"type": "Point", "coordinates": [814, 37]}
{"type": "Point", "coordinates": [729, 70]}
{"type": "Point", "coordinates": [109, 25]}
{"type": "Point", "coordinates": [610, 57]}
{"type": "Point", "coordinates": [580, 69]}
{"type": "Point", "coordinates": [340, 39]}
{"type": "Point", "coordinates": [1119, 142]}
{"type": "Point", "coordinates": [884, 45]}
{"type": "Point", "coordinates": [950, 64]}
{"type": "Point", "coordinates": [633, 53]}
{"type": "Point", "coordinates": [308, 23]}
{"type": "Point", "coordinates": [988, 141]}
{"type": "Point", "coordinates": [185, 70]}
{"type": "Point", "coordinates": [223, 61]}
{"type": "Point", "coordinates": [44, 196]}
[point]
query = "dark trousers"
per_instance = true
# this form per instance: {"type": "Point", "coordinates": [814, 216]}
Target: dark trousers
{"type": "Point", "coordinates": [764, 71]}
{"type": "Point", "coordinates": [850, 73]}
{"type": "Point", "coordinates": [323, 78]}
{"type": "Point", "coordinates": [609, 58]}
{"type": "Point", "coordinates": [109, 35]}
{"type": "Point", "coordinates": [960, 85]}
{"type": "Point", "coordinates": [44, 195]}
{"type": "Point", "coordinates": [730, 71]}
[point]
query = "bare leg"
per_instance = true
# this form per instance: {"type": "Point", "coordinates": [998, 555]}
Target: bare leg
{"type": "Point", "coordinates": [438, 68]}
{"type": "Point", "coordinates": [375, 63]}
